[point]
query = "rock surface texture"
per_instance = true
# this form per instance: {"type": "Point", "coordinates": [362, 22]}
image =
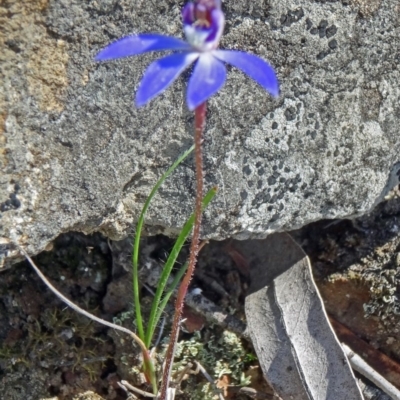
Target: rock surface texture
{"type": "Point", "coordinates": [76, 155]}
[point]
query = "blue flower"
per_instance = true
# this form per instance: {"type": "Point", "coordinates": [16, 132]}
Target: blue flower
{"type": "Point", "coordinates": [203, 24]}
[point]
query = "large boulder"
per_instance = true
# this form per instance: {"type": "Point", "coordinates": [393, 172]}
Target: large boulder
{"type": "Point", "coordinates": [75, 154]}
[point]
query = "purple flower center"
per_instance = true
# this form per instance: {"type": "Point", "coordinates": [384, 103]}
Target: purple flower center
{"type": "Point", "coordinates": [202, 16]}
{"type": "Point", "coordinates": [203, 23]}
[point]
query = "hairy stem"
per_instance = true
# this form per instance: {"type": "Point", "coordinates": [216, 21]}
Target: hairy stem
{"type": "Point", "coordinates": [200, 119]}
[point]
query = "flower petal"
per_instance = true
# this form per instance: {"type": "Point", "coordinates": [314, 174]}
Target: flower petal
{"type": "Point", "coordinates": [208, 77]}
{"type": "Point", "coordinates": [217, 25]}
{"type": "Point", "coordinates": [138, 44]}
{"type": "Point", "coordinates": [253, 66]}
{"type": "Point", "coordinates": [162, 73]}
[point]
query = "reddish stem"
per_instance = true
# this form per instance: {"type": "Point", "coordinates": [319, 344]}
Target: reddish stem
{"type": "Point", "coordinates": [200, 120]}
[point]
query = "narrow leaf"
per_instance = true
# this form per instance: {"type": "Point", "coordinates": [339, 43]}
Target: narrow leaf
{"type": "Point", "coordinates": [135, 256]}
{"type": "Point", "coordinates": [157, 307]}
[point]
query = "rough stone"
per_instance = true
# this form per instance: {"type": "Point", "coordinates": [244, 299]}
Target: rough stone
{"type": "Point", "coordinates": [76, 155]}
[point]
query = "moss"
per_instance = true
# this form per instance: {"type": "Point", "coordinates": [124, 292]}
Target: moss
{"type": "Point", "coordinates": [60, 338]}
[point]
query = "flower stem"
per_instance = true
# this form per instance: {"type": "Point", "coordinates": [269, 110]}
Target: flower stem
{"type": "Point", "coordinates": [200, 120]}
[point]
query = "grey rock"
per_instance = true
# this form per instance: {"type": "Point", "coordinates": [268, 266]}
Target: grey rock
{"type": "Point", "coordinates": [76, 155]}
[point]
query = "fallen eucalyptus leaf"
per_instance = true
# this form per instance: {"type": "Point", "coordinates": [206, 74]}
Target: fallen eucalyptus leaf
{"type": "Point", "coordinates": [298, 352]}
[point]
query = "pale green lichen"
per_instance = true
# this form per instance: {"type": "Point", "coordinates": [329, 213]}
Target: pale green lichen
{"type": "Point", "coordinates": [220, 354]}
{"type": "Point", "coordinates": [384, 301]}
{"type": "Point", "coordinates": [124, 317]}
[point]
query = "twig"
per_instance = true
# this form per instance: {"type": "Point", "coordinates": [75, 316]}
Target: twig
{"type": "Point", "coordinates": [160, 333]}
{"type": "Point", "coordinates": [210, 379]}
{"type": "Point", "coordinates": [363, 368]}
{"type": "Point", "coordinates": [136, 390]}
{"type": "Point", "coordinates": [129, 395]}
{"type": "Point", "coordinates": [180, 375]}
{"type": "Point", "coordinates": [387, 367]}
{"type": "Point", "coordinates": [149, 289]}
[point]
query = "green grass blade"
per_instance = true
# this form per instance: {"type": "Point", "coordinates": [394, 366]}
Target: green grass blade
{"type": "Point", "coordinates": [135, 256]}
{"type": "Point", "coordinates": [170, 291]}
{"type": "Point", "coordinates": [187, 228]}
